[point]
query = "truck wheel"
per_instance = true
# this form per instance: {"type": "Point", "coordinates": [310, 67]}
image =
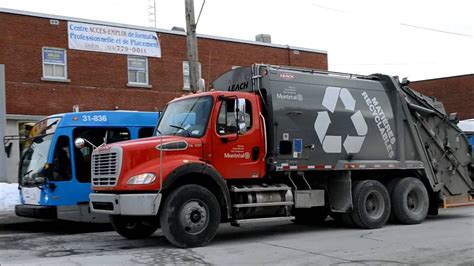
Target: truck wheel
{"type": "Point", "coordinates": [133, 227]}
{"type": "Point", "coordinates": [371, 204]}
{"type": "Point", "coordinates": [311, 216]}
{"type": "Point", "coordinates": [410, 201]}
{"type": "Point", "coordinates": [190, 216]}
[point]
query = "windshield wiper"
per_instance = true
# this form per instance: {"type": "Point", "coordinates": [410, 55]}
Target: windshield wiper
{"type": "Point", "coordinates": [187, 133]}
{"type": "Point", "coordinates": [27, 173]}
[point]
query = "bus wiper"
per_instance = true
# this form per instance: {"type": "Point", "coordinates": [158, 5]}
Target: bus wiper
{"type": "Point", "coordinates": [182, 128]}
{"type": "Point", "coordinates": [27, 173]}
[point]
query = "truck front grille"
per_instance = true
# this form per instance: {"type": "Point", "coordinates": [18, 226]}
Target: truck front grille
{"type": "Point", "coordinates": [106, 167]}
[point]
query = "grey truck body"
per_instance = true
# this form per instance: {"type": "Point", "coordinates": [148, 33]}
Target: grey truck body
{"type": "Point", "coordinates": [324, 121]}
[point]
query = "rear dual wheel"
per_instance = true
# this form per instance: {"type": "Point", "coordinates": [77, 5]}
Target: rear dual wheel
{"type": "Point", "coordinates": [410, 201]}
{"type": "Point", "coordinates": [371, 202]}
{"type": "Point", "coordinates": [403, 200]}
{"type": "Point", "coordinates": [371, 206]}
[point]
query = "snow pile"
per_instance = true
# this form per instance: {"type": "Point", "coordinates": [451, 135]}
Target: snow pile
{"type": "Point", "coordinates": [9, 197]}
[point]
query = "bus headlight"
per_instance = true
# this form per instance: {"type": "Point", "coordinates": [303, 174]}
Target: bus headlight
{"type": "Point", "coordinates": [142, 179]}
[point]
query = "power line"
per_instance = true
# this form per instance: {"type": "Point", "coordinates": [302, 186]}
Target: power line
{"type": "Point", "coordinates": [435, 30]}
{"type": "Point", "coordinates": [200, 11]}
{"type": "Point", "coordinates": [402, 24]}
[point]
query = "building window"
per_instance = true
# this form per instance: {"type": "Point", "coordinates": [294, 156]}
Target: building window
{"type": "Point", "coordinates": [137, 70]}
{"type": "Point", "coordinates": [54, 63]}
{"type": "Point", "coordinates": [186, 82]}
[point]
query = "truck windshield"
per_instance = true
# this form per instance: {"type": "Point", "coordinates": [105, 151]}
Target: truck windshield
{"type": "Point", "coordinates": [186, 117]}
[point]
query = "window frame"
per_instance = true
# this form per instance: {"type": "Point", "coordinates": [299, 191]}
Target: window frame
{"type": "Point", "coordinates": [225, 102]}
{"type": "Point", "coordinates": [68, 151]}
{"type": "Point", "coordinates": [147, 79]}
{"type": "Point", "coordinates": [43, 63]}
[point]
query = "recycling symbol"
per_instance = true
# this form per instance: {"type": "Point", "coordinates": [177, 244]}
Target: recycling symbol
{"type": "Point", "coordinates": [333, 143]}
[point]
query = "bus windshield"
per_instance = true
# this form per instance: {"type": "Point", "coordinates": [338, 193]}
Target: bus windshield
{"type": "Point", "coordinates": [34, 159]}
{"type": "Point", "coordinates": [35, 152]}
{"type": "Point", "coordinates": [186, 117]}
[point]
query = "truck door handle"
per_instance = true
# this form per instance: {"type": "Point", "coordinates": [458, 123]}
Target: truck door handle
{"type": "Point", "coordinates": [255, 152]}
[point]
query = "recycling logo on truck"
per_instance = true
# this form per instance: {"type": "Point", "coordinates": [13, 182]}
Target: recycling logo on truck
{"type": "Point", "coordinates": [334, 143]}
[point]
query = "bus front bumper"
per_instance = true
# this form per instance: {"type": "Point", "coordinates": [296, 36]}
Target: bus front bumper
{"type": "Point", "coordinates": [126, 204]}
{"type": "Point", "coordinates": [36, 211]}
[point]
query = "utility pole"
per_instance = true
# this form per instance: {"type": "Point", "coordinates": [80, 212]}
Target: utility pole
{"type": "Point", "coordinates": [3, 126]}
{"type": "Point", "coordinates": [191, 41]}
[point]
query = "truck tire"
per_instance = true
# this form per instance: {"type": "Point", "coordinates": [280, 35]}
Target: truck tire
{"type": "Point", "coordinates": [190, 216]}
{"type": "Point", "coordinates": [133, 227]}
{"type": "Point", "coordinates": [371, 204]}
{"type": "Point", "coordinates": [311, 216]}
{"type": "Point", "coordinates": [410, 201]}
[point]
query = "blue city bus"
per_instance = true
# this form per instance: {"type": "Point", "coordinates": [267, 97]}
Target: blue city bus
{"type": "Point", "coordinates": [54, 176]}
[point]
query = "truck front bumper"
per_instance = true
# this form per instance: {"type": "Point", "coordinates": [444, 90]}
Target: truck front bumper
{"type": "Point", "coordinates": [126, 204]}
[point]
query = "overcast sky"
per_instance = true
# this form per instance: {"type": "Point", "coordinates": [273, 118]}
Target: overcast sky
{"type": "Point", "coordinates": [416, 39]}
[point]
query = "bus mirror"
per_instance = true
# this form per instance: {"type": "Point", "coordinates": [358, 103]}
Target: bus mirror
{"type": "Point", "coordinates": [79, 143]}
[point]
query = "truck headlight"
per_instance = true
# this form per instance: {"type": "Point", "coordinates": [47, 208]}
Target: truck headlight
{"type": "Point", "coordinates": [142, 179]}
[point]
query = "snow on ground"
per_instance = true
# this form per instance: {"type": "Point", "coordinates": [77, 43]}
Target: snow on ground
{"type": "Point", "coordinates": [9, 197]}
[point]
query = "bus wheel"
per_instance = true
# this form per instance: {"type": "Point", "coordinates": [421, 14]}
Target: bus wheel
{"type": "Point", "coordinates": [410, 201]}
{"type": "Point", "coordinates": [371, 204]}
{"type": "Point", "coordinates": [190, 216]}
{"type": "Point", "coordinates": [133, 227]}
{"type": "Point", "coordinates": [311, 216]}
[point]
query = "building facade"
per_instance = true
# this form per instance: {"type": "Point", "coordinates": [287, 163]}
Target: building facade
{"type": "Point", "coordinates": [456, 93]}
{"type": "Point", "coordinates": [53, 63]}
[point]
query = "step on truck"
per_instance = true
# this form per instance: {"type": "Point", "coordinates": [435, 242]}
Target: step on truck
{"type": "Point", "coordinates": [272, 143]}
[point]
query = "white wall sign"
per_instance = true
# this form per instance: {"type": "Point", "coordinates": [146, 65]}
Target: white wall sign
{"type": "Point", "coordinates": [98, 38]}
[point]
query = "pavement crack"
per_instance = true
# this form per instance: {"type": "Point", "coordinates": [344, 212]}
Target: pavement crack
{"type": "Point", "coordinates": [366, 236]}
{"type": "Point", "coordinates": [306, 251]}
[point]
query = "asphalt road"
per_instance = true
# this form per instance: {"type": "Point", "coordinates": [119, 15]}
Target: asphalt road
{"type": "Point", "coordinates": [446, 239]}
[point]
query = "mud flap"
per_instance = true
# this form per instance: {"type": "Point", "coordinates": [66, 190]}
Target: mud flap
{"type": "Point", "coordinates": [340, 192]}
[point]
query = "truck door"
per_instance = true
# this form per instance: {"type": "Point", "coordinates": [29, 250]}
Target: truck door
{"type": "Point", "coordinates": [238, 146]}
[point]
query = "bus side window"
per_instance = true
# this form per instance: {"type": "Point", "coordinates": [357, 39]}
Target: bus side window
{"type": "Point", "coordinates": [82, 157]}
{"type": "Point", "coordinates": [145, 132]}
{"type": "Point", "coordinates": [61, 160]}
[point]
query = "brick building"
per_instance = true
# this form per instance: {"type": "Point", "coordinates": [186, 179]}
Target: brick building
{"type": "Point", "coordinates": [456, 93]}
{"type": "Point", "coordinates": [52, 63]}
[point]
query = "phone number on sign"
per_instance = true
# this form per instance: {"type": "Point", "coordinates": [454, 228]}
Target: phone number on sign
{"type": "Point", "coordinates": [125, 49]}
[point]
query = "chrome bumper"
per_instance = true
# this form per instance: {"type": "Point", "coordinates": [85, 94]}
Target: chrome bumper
{"type": "Point", "coordinates": [125, 204]}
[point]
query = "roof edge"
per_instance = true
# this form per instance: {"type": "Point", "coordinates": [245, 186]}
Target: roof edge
{"type": "Point", "coordinates": [159, 30]}
{"type": "Point", "coordinates": [449, 77]}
